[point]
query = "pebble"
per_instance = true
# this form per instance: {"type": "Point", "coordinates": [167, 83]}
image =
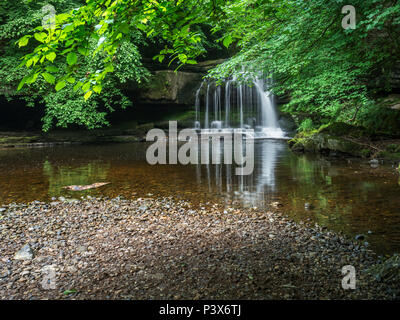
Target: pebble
{"type": "Point", "coordinates": [25, 253]}
{"type": "Point", "coordinates": [161, 249]}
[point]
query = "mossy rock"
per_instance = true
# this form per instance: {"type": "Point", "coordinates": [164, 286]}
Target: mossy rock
{"type": "Point", "coordinates": [162, 125]}
{"type": "Point", "coordinates": [298, 147]}
{"type": "Point", "coordinates": [144, 128]}
{"type": "Point", "coordinates": [17, 140]}
{"type": "Point", "coordinates": [388, 271]}
{"type": "Point", "coordinates": [389, 155]}
{"type": "Point", "coordinates": [393, 148]}
{"type": "Point", "coordinates": [366, 153]}
{"type": "Point", "coordinates": [342, 129]}
{"type": "Point", "coordinates": [318, 142]}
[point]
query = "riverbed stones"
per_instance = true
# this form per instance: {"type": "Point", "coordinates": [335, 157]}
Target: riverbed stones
{"type": "Point", "coordinates": [113, 249]}
{"type": "Point", "coordinates": [25, 253]}
{"type": "Point", "coordinates": [4, 271]}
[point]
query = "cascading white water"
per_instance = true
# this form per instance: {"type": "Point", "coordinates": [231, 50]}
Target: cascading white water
{"type": "Point", "coordinates": [238, 106]}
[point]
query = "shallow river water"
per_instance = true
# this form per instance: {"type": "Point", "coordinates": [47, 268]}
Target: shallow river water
{"type": "Point", "coordinates": [344, 195]}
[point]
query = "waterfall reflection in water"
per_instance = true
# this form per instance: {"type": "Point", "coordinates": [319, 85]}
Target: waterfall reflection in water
{"type": "Point", "coordinates": [347, 196]}
{"type": "Point", "coordinates": [255, 189]}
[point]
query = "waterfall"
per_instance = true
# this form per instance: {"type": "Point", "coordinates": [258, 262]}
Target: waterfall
{"type": "Point", "coordinates": [227, 102]}
{"type": "Point", "coordinates": [238, 105]}
{"type": "Point", "coordinates": [197, 106]}
{"type": "Point", "coordinates": [207, 106]}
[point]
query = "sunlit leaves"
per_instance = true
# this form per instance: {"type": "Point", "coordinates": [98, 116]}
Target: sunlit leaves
{"type": "Point", "coordinates": [88, 94]}
{"type": "Point", "coordinates": [24, 41]}
{"type": "Point", "coordinates": [49, 77]}
{"type": "Point", "coordinates": [41, 36]}
{"type": "Point", "coordinates": [51, 56]}
{"type": "Point", "coordinates": [227, 41]}
{"type": "Point", "coordinates": [60, 85]}
{"type": "Point", "coordinates": [108, 24]}
{"type": "Point", "coordinates": [72, 58]}
{"type": "Point", "coordinates": [326, 71]}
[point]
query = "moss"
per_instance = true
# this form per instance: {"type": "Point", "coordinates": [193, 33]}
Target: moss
{"type": "Point", "coordinates": [388, 271]}
{"type": "Point", "coordinates": [341, 129]}
{"type": "Point", "coordinates": [392, 147]}
{"type": "Point", "coordinates": [298, 147]}
{"type": "Point", "coordinates": [389, 155]}
{"type": "Point", "coordinates": [10, 140]}
{"type": "Point", "coordinates": [365, 153]}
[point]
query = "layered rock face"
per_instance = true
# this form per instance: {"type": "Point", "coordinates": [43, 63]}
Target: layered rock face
{"type": "Point", "coordinates": [173, 87]}
{"type": "Point", "coordinates": [167, 86]}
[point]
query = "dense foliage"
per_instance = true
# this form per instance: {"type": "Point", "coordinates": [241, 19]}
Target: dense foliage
{"type": "Point", "coordinates": [63, 107]}
{"type": "Point", "coordinates": [328, 72]}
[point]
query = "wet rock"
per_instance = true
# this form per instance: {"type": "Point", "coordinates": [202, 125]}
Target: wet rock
{"type": "Point", "coordinates": [276, 204]}
{"type": "Point", "coordinates": [309, 206]}
{"type": "Point", "coordinates": [81, 249]}
{"type": "Point", "coordinates": [359, 237]}
{"type": "Point", "coordinates": [374, 163]}
{"type": "Point", "coordinates": [25, 253]}
{"type": "Point", "coordinates": [4, 271]}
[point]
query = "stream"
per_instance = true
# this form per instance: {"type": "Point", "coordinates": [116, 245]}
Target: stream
{"type": "Point", "coordinates": [342, 194]}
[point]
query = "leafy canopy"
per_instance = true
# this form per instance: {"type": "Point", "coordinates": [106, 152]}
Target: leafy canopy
{"type": "Point", "coordinates": [100, 27]}
{"type": "Point", "coordinates": [327, 72]}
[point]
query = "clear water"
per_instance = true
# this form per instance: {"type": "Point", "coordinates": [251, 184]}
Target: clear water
{"type": "Point", "coordinates": [347, 195]}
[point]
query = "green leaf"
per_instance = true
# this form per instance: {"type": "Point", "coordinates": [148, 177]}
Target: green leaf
{"type": "Point", "coordinates": [67, 292]}
{"type": "Point", "coordinates": [49, 77]}
{"type": "Point", "coordinates": [109, 68]}
{"type": "Point", "coordinates": [97, 88]}
{"type": "Point", "coordinates": [71, 80]}
{"type": "Point", "coordinates": [41, 36]}
{"type": "Point", "coordinates": [83, 51]}
{"type": "Point", "coordinates": [51, 56]}
{"type": "Point", "coordinates": [32, 78]}
{"type": "Point", "coordinates": [77, 86]}
{"type": "Point", "coordinates": [51, 69]}
{"type": "Point", "coordinates": [60, 85]}
{"type": "Point", "coordinates": [124, 28]}
{"type": "Point", "coordinates": [23, 41]}
{"type": "Point", "coordinates": [88, 94]}
{"type": "Point", "coordinates": [72, 58]}
{"type": "Point", "coordinates": [86, 87]}
{"type": "Point", "coordinates": [227, 41]}
{"type": "Point", "coordinates": [22, 82]}
{"type": "Point", "coordinates": [29, 63]}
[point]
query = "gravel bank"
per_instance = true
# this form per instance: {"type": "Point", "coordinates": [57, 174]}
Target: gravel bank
{"type": "Point", "coordinates": [166, 249]}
